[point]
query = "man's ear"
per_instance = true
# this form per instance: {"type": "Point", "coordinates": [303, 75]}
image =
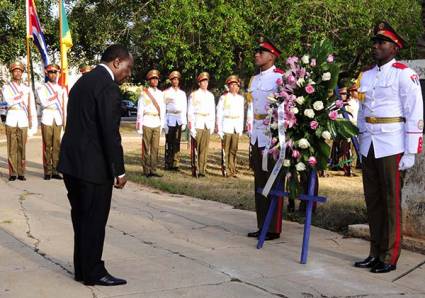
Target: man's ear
{"type": "Point", "coordinates": [116, 62]}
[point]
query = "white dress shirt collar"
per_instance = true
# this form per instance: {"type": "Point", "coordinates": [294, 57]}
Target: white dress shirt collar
{"type": "Point", "coordinates": [109, 70]}
{"type": "Point", "coordinates": [269, 70]}
{"type": "Point", "coordinates": [386, 66]}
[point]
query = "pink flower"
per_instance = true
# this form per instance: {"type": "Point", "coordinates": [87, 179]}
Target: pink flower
{"type": "Point", "coordinates": [266, 121]}
{"type": "Point", "coordinates": [333, 115]}
{"type": "Point", "coordinates": [279, 81]}
{"type": "Point", "coordinates": [312, 161]}
{"type": "Point", "coordinates": [313, 62]}
{"type": "Point", "coordinates": [274, 152]}
{"type": "Point", "coordinates": [330, 59]}
{"type": "Point", "coordinates": [290, 143]}
{"type": "Point", "coordinates": [291, 79]}
{"type": "Point", "coordinates": [339, 104]}
{"type": "Point", "coordinates": [309, 89]}
{"type": "Point", "coordinates": [314, 124]}
{"type": "Point", "coordinates": [296, 154]}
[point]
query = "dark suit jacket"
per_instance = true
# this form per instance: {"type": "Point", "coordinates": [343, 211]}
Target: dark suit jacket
{"type": "Point", "coordinates": [91, 146]}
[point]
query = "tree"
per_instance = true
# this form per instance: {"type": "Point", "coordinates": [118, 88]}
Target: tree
{"type": "Point", "coordinates": [214, 35]}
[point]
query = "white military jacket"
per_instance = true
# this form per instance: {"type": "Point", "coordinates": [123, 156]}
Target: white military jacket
{"type": "Point", "coordinates": [201, 110]}
{"type": "Point", "coordinates": [54, 100]}
{"type": "Point", "coordinates": [147, 114]}
{"type": "Point", "coordinates": [262, 85]}
{"type": "Point", "coordinates": [392, 90]}
{"type": "Point", "coordinates": [16, 96]}
{"type": "Point", "coordinates": [176, 106]}
{"type": "Point", "coordinates": [230, 114]}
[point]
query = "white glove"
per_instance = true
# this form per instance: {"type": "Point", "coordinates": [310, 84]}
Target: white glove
{"type": "Point", "coordinates": [193, 133]}
{"type": "Point", "coordinates": [406, 162]}
{"type": "Point", "coordinates": [221, 134]}
{"type": "Point", "coordinates": [140, 132]}
{"type": "Point", "coordinates": [166, 129]}
{"type": "Point", "coordinates": [183, 127]}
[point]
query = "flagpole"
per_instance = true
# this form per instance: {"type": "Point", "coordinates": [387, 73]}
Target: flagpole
{"type": "Point", "coordinates": [28, 71]}
{"type": "Point", "coordinates": [60, 39]}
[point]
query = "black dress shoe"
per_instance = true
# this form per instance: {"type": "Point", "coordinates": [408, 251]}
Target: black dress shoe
{"type": "Point", "coordinates": [369, 262]}
{"type": "Point", "coordinates": [12, 178]}
{"type": "Point", "coordinates": [254, 234]}
{"type": "Point", "coordinates": [155, 175]}
{"type": "Point", "coordinates": [22, 178]}
{"type": "Point", "coordinates": [47, 177]}
{"type": "Point", "coordinates": [272, 236]}
{"type": "Point", "coordinates": [382, 267]}
{"type": "Point", "coordinates": [57, 176]}
{"type": "Point", "coordinates": [107, 280]}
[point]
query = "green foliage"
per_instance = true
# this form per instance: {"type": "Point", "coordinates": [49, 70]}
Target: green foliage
{"type": "Point", "coordinates": [212, 35]}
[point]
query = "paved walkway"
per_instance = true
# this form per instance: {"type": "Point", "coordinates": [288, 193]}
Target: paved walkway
{"type": "Point", "coordinates": [175, 246]}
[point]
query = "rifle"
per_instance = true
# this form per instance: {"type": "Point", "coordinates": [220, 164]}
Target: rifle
{"type": "Point", "coordinates": [223, 159]}
{"type": "Point", "coordinates": [194, 157]}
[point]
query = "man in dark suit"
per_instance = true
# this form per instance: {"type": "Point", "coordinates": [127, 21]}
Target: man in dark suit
{"type": "Point", "coordinates": [91, 157]}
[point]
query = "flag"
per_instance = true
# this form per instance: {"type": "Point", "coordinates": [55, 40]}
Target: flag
{"type": "Point", "coordinates": [34, 30]}
{"type": "Point", "coordinates": [65, 43]}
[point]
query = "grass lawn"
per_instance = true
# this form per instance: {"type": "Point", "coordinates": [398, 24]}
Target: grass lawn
{"type": "Point", "coordinates": [345, 203]}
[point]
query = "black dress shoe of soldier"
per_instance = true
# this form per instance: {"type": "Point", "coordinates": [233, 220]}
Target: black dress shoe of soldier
{"type": "Point", "coordinates": [254, 234]}
{"type": "Point", "coordinates": [47, 177]}
{"type": "Point", "coordinates": [12, 178]}
{"type": "Point", "coordinates": [369, 262]}
{"type": "Point", "coordinates": [22, 178]}
{"type": "Point", "coordinates": [382, 267]}
{"type": "Point", "coordinates": [272, 236]}
{"type": "Point", "coordinates": [57, 176]}
{"type": "Point", "coordinates": [155, 174]}
{"type": "Point", "coordinates": [107, 280]}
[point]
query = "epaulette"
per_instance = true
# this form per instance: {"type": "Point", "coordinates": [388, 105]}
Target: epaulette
{"type": "Point", "coordinates": [400, 65]}
{"type": "Point", "coordinates": [278, 70]}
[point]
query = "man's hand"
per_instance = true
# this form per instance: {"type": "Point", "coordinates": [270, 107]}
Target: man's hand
{"type": "Point", "coordinates": [120, 182]}
{"type": "Point", "coordinates": [406, 162]}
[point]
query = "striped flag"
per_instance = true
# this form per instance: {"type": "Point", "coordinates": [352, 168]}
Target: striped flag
{"type": "Point", "coordinates": [34, 30]}
{"type": "Point", "coordinates": [65, 44]}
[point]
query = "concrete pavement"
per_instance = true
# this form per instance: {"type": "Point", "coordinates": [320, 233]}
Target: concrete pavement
{"type": "Point", "coordinates": [175, 246]}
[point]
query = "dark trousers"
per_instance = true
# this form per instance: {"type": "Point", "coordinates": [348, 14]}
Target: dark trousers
{"type": "Point", "coordinates": [173, 146]}
{"type": "Point", "coordinates": [382, 183]}
{"type": "Point", "coordinates": [262, 203]}
{"type": "Point", "coordinates": [90, 204]}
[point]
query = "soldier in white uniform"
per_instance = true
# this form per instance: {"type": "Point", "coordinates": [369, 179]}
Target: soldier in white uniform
{"type": "Point", "coordinates": [150, 122]}
{"type": "Point", "coordinates": [176, 121]}
{"type": "Point", "coordinates": [53, 99]}
{"type": "Point", "coordinates": [390, 123]}
{"type": "Point", "coordinates": [21, 113]}
{"type": "Point", "coordinates": [230, 121]}
{"type": "Point", "coordinates": [201, 118]}
{"type": "Point", "coordinates": [262, 86]}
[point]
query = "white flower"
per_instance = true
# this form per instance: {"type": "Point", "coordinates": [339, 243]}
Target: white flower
{"type": "Point", "coordinates": [300, 100]}
{"type": "Point", "coordinates": [305, 59]}
{"type": "Point", "coordinates": [309, 113]}
{"type": "Point", "coordinates": [270, 111]}
{"type": "Point", "coordinates": [300, 167]}
{"type": "Point", "coordinates": [294, 110]}
{"type": "Point", "coordinates": [326, 76]}
{"type": "Point", "coordinates": [273, 125]}
{"type": "Point", "coordinates": [311, 82]}
{"type": "Point", "coordinates": [318, 105]}
{"type": "Point", "coordinates": [303, 143]}
{"type": "Point", "coordinates": [326, 135]}
{"type": "Point", "coordinates": [286, 163]}
{"type": "Point", "coordinates": [300, 82]}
